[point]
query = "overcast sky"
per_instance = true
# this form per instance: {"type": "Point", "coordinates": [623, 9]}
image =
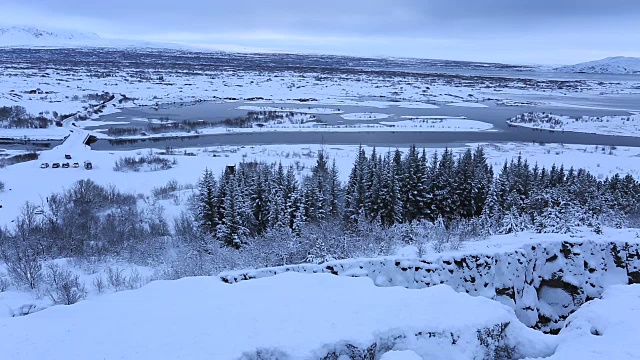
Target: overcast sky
{"type": "Point", "coordinates": [516, 31]}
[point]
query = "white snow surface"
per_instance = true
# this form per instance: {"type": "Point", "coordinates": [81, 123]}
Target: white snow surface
{"type": "Point", "coordinates": [610, 65]}
{"type": "Point", "coordinates": [468, 104]}
{"type": "Point", "coordinates": [605, 328]}
{"type": "Point", "coordinates": [401, 355]}
{"type": "Point", "coordinates": [309, 110]}
{"type": "Point", "coordinates": [365, 116]}
{"type": "Point", "coordinates": [289, 316]}
{"type": "Point", "coordinates": [438, 124]}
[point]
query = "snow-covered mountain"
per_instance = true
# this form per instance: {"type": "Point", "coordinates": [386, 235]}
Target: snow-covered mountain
{"type": "Point", "coordinates": [610, 65]}
{"type": "Point", "coordinates": [24, 36]}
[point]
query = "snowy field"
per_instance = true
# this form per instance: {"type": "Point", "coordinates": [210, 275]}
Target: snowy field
{"type": "Point", "coordinates": [604, 125]}
{"type": "Point", "coordinates": [310, 110]}
{"type": "Point", "coordinates": [51, 133]}
{"type": "Point", "coordinates": [365, 116]}
{"type": "Point", "coordinates": [434, 123]}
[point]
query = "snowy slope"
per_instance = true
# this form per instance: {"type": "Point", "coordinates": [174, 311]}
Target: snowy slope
{"type": "Point", "coordinates": [604, 328]}
{"type": "Point", "coordinates": [610, 65]}
{"type": "Point", "coordinates": [289, 316]}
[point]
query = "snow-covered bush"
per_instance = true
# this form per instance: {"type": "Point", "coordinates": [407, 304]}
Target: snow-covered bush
{"type": "Point", "coordinates": [24, 267]}
{"type": "Point", "coordinates": [99, 284]}
{"type": "Point", "coordinates": [4, 282]}
{"type": "Point", "coordinates": [166, 191]}
{"type": "Point", "coordinates": [148, 162]}
{"type": "Point", "coordinates": [63, 287]}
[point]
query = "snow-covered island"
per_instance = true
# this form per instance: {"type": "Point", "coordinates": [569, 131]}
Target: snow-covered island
{"type": "Point", "coordinates": [623, 125]}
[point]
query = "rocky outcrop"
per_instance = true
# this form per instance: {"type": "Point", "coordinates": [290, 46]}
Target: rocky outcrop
{"type": "Point", "coordinates": [543, 282]}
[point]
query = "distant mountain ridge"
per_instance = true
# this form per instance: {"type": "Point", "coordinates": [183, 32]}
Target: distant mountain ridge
{"type": "Point", "coordinates": [26, 35]}
{"type": "Point", "coordinates": [610, 65]}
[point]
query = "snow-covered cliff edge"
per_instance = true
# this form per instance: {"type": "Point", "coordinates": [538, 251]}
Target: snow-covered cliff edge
{"type": "Point", "coordinates": [543, 282]}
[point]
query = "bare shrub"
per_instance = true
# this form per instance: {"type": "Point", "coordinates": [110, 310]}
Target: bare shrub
{"type": "Point", "coordinates": [116, 278]}
{"type": "Point", "coordinates": [99, 284]}
{"type": "Point", "coordinates": [4, 283]}
{"type": "Point", "coordinates": [166, 191]}
{"type": "Point", "coordinates": [64, 287]}
{"type": "Point", "coordinates": [149, 162]}
{"type": "Point", "coordinates": [134, 280]}
{"type": "Point", "coordinates": [24, 268]}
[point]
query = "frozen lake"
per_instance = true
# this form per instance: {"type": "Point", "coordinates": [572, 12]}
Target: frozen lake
{"type": "Point", "coordinates": [494, 114]}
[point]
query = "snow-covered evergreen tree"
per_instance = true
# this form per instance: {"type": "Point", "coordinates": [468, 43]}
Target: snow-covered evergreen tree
{"type": "Point", "coordinates": [206, 206]}
{"type": "Point", "coordinates": [233, 230]}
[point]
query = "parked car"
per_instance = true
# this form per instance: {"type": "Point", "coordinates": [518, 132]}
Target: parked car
{"type": "Point", "coordinates": [55, 165]}
{"type": "Point", "coordinates": [44, 165]}
{"type": "Point", "coordinates": [67, 156]}
{"type": "Point", "coordinates": [65, 165]}
{"type": "Point", "coordinates": [75, 165]}
{"type": "Point", "coordinates": [88, 165]}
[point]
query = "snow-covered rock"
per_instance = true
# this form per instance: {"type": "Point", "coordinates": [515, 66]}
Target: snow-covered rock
{"type": "Point", "coordinates": [610, 65]}
{"type": "Point", "coordinates": [543, 282]}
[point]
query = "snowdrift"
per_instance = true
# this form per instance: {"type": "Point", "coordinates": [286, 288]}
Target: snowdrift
{"type": "Point", "coordinates": [542, 282]}
{"type": "Point", "coordinates": [289, 316]}
{"type": "Point", "coordinates": [603, 328]}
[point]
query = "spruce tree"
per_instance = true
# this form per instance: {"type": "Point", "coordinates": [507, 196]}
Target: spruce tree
{"type": "Point", "coordinates": [206, 212]}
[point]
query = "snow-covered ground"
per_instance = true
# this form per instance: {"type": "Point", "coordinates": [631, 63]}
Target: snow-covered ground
{"type": "Point", "coordinates": [309, 110]}
{"type": "Point", "coordinates": [365, 116]}
{"type": "Point", "coordinates": [290, 316]}
{"type": "Point", "coordinates": [468, 104]}
{"type": "Point", "coordinates": [605, 328]}
{"type": "Point", "coordinates": [628, 125]}
{"type": "Point", "coordinates": [51, 133]}
{"type": "Point", "coordinates": [437, 124]}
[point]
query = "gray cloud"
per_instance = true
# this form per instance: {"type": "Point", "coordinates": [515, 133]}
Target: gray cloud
{"type": "Point", "coordinates": [340, 25]}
